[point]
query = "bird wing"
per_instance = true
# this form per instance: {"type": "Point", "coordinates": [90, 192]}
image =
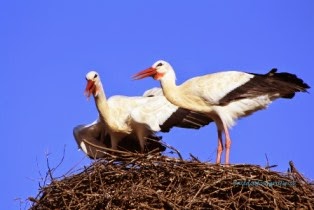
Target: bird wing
{"type": "Point", "coordinates": [121, 108]}
{"type": "Point", "coordinates": [158, 114]}
{"type": "Point", "coordinates": [91, 138]}
{"type": "Point", "coordinates": [272, 84]}
{"type": "Point", "coordinates": [225, 87]}
{"type": "Point", "coordinates": [156, 91]}
{"type": "Point", "coordinates": [211, 88]}
{"type": "Point", "coordinates": [94, 142]}
{"type": "Point", "coordinates": [184, 118]}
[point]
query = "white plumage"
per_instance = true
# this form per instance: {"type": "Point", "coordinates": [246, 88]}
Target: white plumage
{"type": "Point", "coordinates": [133, 118]}
{"type": "Point", "coordinates": [224, 96]}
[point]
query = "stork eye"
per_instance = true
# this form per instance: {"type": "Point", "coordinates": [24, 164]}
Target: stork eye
{"type": "Point", "coordinates": [96, 75]}
{"type": "Point", "coordinates": [159, 64]}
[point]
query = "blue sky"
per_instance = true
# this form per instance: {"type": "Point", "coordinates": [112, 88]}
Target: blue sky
{"type": "Point", "coordinates": [47, 47]}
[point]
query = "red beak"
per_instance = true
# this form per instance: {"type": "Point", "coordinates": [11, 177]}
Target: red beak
{"type": "Point", "coordinates": [90, 88]}
{"type": "Point", "coordinates": [145, 73]}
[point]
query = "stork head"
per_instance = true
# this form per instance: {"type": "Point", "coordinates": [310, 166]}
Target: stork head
{"type": "Point", "coordinates": [93, 83]}
{"type": "Point", "coordinates": [159, 70]}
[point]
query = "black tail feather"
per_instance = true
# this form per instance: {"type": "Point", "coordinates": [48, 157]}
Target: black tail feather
{"type": "Point", "coordinates": [274, 84]}
{"type": "Point", "coordinates": [288, 83]}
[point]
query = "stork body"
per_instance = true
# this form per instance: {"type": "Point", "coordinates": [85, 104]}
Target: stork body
{"type": "Point", "coordinates": [136, 118]}
{"type": "Point", "coordinates": [225, 96]}
{"type": "Point", "coordinates": [94, 140]}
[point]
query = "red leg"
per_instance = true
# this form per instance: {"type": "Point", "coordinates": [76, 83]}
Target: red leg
{"type": "Point", "coordinates": [228, 144]}
{"type": "Point", "coordinates": [219, 148]}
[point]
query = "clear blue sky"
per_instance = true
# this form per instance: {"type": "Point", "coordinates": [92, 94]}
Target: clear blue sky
{"type": "Point", "coordinates": [47, 47]}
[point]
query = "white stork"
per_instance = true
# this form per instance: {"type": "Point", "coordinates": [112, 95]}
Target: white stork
{"type": "Point", "coordinates": [130, 118]}
{"type": "Point", "coordinates": [225, 96]}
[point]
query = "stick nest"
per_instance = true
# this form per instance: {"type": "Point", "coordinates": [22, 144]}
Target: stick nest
{"type": "Point", "coordinates": [152, 181]}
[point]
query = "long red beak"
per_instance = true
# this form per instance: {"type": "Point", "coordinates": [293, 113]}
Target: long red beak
{"type": "Point", "coordinates": [145, 73]}
{"type": "Point", "coordinates": [90, 88]}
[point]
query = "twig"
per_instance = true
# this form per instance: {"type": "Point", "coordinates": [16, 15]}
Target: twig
{"type": "Point", "coordinates": [152, 181]}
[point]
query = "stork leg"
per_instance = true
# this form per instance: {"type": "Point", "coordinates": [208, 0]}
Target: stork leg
{"type": "Point", "coordinates": [142, 144]}
{"type": "Point", "coordinates": [141, 136]}
{"type": "Point", "coordinates": [114, 144]}
{"type": "Point", "coordinates": [227, 145]}
{"type": "Point", "coordinates": [115, 141]}
{"type": "Point", "coordinates": [220, 147]}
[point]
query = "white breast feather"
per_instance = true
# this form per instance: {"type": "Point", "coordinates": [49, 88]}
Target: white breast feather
{"type": "Point", "coordinates": [241, 108]}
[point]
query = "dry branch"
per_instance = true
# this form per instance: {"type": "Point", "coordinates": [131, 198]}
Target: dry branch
{"type": "Point", "coordinates": [152, 181]}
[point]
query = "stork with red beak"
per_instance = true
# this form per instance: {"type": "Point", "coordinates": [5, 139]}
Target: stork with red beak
{"type": "Point", "coordinates": [225, 96]}
{"type": "Point", "coordinates": [135, 118]}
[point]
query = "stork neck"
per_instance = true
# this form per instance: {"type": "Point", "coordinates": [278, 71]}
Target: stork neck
{"type": "Point", "coordinates": [102, 105]}
{"type": "Point", "coordinates": [168, 84]}
{"type": "Point", "coordinates": [170, 89]}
